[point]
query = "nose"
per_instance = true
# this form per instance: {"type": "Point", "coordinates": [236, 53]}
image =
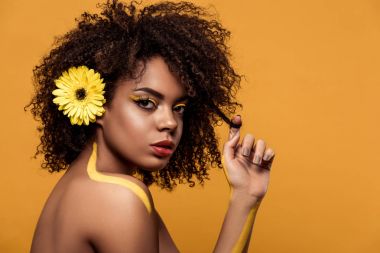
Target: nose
{"type": "Point", "coordinates": [166, 120]}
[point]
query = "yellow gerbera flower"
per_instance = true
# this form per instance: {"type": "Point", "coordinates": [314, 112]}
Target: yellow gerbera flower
{"type": "Point", "coordinates": [80, 95]}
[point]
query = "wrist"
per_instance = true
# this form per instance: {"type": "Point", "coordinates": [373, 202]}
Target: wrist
{"type": "Point", "coordinates": [245, 200]}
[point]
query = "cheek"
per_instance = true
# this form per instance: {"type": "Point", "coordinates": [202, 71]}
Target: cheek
{"type": "Point", "coordinates": [131, 122]}
{"type": "Point", "coordinates": [125, 132]}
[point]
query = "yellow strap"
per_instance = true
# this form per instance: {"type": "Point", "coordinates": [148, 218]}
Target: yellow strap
{"type": "Point", "coordinates": [96, 176]}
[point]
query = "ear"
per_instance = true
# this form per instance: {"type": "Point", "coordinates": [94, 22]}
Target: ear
{"type": "Point", "coordinates": [100, 120]}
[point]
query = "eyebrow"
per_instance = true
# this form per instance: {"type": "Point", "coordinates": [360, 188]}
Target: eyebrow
{"type": "Point", "coordinates": [159, 95]}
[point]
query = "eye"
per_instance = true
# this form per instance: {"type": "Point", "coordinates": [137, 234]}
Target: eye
{"type": "Point", "coordinates": [180, 108]}
{"type": "Point", "coordinates": [144, 102]}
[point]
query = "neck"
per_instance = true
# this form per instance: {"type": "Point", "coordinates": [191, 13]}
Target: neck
{"type": "Point", "coordinates": [108, 160]}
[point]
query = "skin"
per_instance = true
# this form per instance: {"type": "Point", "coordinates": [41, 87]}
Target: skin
{"type": "Point", "coordinates": [247, 169]}
{"type": "Point", "coordinates": [66, 224]}
{"type": "Point", "coordinates": [125, 121]}
{"type": "Point", "coordinates": [86, 215]}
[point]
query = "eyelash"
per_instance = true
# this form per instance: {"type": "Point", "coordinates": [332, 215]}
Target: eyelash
{"type": "Point", "coordinates": [140, 99]}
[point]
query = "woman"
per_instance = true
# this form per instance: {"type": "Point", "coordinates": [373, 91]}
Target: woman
{"type": "Point", "coordinates": [129, 98]}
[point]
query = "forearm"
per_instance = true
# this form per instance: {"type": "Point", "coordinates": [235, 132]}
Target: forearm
{"type": "Point", "coordinates": [237, 227]}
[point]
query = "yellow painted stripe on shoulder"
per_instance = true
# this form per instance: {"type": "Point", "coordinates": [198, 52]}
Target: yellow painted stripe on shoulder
{"type": "Point", "coordinates": [96, 176]}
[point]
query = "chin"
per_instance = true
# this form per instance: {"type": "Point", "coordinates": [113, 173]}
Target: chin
{"type": "Point", "coordinates": [155, 165]}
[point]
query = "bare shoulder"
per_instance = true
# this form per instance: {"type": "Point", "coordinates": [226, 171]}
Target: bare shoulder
{"type": "Point", "coordinates": [118, 219]}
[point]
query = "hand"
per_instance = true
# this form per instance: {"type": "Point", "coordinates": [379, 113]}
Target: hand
{"type": "Point", "coordinates": [247, 166]}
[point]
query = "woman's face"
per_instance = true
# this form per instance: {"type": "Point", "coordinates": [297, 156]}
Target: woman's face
{"type": "Point", "coordinates": [144, 112]}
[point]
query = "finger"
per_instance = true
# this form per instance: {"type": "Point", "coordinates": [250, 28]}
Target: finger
{"type": "Point", "coordinates": [268, 159]}
{"type": "Point", "coordinates": [237, 122]}
{"type": "Point", "coordinates": [258, 152]}
{"type": "Point", "coordinates": [247, 144]}
{"type": "Point", "coordinates": [231, 145]}
{"type": "Point", "coordinates": [238, 149]}
{"type": "Point", "coordinates": [268, 154]}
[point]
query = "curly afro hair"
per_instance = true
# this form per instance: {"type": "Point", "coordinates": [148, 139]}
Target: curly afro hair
{"type": "Point", "coordinates": [192, 43]}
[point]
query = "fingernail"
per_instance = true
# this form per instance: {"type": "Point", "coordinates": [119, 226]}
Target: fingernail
{"type": "Point", "coordinates": [245, 152]}
{"type": "Point", "coordinates": [266, 157]}
{"type": "Point", "coordinates": [257, 159]}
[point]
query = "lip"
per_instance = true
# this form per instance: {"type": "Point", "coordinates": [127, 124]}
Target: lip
{"type": "Point", "coordinates": [163, 148]}
{"type": "Point", "coordinates": [161, 151]}
{"type": "Point", "coordinates": [165, 144]}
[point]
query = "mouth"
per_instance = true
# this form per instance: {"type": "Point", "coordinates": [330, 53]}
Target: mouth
{"type": "Point", "coordinates": [162, 151]}
{"type": "Point", "coordinates": [163, 148]}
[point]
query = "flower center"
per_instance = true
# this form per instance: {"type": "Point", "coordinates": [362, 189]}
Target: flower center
{"type": "Point", "coordinates": [80, 93]}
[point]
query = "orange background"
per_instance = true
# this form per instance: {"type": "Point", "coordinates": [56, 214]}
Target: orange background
{"type": "Point", "coordinates": [311, 92]}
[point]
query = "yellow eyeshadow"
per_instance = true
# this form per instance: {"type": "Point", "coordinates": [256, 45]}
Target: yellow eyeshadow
{"type": "Point", "coordinates": [180, 105]}
{"type": "Point", "coordinates": [138, 98]}
{"type": "Point", "coordinates": [145, 97]}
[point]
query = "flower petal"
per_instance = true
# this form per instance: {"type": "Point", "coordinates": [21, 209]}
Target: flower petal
{"type": "Point", "coordinates": [80, 111]}
{"type": "Point", "coordinates": [60, 93]}
{"type": "Point", "coordinates": [86, 119]}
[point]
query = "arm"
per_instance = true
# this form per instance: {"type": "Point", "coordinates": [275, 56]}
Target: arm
{"type": "Point", "coordinates": [246, 167]}
{"type": "Point", "coordinates": [237, 226]}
